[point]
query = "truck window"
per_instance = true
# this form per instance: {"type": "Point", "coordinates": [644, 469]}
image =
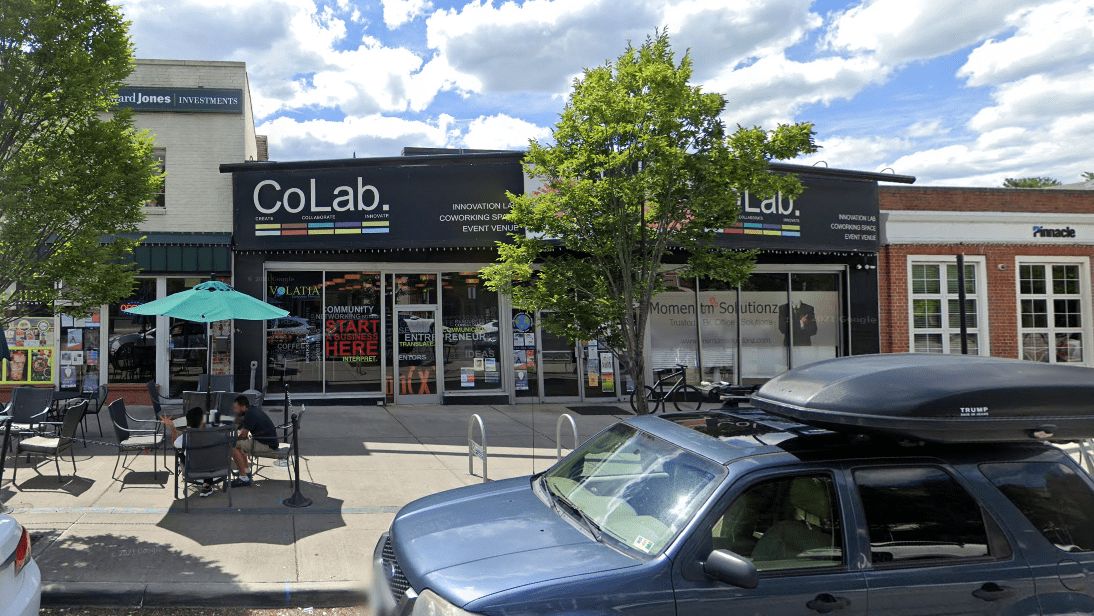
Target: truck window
{"type": "Point", "coordinates": [1052, 497]}
{"type": "Point", "coordinates": [919, 515]}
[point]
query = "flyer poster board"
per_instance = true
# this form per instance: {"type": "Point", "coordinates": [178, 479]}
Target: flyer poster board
{"type": "Point", "coordinates": [467, 377]}
{"type": "Point", "coordinates": [30, 342]}
{"type": "Point", "coordinates": [520, 380]}
{"type": "Point", "coordinates": [607, 373]}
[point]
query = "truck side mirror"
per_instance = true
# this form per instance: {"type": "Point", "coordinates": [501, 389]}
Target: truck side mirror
{"type": "Point", "coordinates": [729, 568]}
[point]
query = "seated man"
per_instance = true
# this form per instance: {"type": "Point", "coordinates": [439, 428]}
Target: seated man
{"type": "Point", "coordinates": [257, 434]}
{"type": "Point", "coordinates": [195, 419]}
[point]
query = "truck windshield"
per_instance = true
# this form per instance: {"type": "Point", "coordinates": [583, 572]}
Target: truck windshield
{"type": "Point", "coordinates": [638, 489]}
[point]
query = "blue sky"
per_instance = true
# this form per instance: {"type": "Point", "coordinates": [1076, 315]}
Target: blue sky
{"type": "Point", "coordinates": [954, 92]}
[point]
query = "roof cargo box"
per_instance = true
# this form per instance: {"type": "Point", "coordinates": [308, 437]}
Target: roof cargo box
{"type": "Point", "coordinates": [939, 398]}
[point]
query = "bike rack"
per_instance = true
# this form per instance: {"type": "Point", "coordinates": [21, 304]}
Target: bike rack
{"type": "Point", "coordinates": [558, 434]}
{"type": "Point", "coordinates": [474, 450]}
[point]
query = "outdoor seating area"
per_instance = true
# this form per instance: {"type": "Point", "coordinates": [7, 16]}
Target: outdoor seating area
{"type": "Point", "coordinates": [42, 427]}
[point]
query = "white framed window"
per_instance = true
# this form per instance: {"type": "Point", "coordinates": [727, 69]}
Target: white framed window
{"type": "Point", "coordinates": [1053, 310]}
{"type": "Point", "coordinates": [934, 307]}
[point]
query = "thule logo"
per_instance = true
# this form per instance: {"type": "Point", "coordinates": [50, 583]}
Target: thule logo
{"type": "Point", "coordinates": [1045, 232]}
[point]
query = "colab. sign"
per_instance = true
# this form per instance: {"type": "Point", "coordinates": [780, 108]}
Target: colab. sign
{"type": "Point", "coordinates": [374, 206]}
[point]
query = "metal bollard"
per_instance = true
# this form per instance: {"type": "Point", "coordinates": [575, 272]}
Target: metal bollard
{"type": "Point", "coordinates": [474, 450]}
{"type": "Point", "coordinates": [558, 434]}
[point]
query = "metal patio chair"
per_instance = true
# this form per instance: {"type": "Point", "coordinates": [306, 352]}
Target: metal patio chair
{"type": "Point", "coordinates": [159, 401]}
{"type": "Point", "coordinates": [28, 407]}
{"type": "Point", "coordinates": [133, 440]}
{"type": "Point", "coordinates": [97, 402]}
{"type": "Point", "coordinates": [284, 451]}
{"type": "Point", "coordinates": [208, 457]}
{"type": "Point", "coordinates": [53, 446]}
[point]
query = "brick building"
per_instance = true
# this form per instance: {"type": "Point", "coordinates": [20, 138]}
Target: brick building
{"type": "Point", "coordinates": [1027, 268]}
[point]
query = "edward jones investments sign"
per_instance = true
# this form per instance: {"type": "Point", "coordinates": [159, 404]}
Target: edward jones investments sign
{"type": "Point", "coordinates": [190, 100]}
{"type": "Point", "coordinates": [403, 206]}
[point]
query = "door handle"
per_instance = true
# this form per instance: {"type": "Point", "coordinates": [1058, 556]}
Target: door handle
{"type": "Point", "coordinates": [992, 592]}
{"type": "Point", "coordinates": [825, 603]}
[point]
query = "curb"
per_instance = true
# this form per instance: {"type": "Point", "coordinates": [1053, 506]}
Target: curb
{"type": "Point", "coordinates": [210, 594]}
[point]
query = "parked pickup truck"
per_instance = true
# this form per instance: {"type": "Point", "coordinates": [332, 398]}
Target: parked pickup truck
{"type": "Point", "coordinates": [742, 511]}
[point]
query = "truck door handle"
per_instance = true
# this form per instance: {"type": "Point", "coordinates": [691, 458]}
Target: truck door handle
{"type": "Point", "coordinates": [825, 603]}
{"type": "Point", "coordinates": [992, 592]}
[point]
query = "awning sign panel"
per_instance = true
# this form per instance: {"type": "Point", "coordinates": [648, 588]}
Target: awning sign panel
{"type": "Point", "coordinates": [375, 207]}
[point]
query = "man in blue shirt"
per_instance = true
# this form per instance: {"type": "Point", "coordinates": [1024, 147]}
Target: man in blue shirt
{"type": "Point", "coordinates": [257, 434]}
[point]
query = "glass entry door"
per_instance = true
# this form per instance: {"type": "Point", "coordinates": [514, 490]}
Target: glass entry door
{"type": "Point", "coordinates": [559, 369]}
{"type": "Point", "coordinates": [416, 356]}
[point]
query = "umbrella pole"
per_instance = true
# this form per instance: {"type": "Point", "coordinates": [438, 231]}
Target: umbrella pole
{"type": "Point", "coordinates": [208, 371]}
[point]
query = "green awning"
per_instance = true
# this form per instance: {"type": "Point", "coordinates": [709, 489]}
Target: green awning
{"type": "Point", "coordinates": [184, 253]}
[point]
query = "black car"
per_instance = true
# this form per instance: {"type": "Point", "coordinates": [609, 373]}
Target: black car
{"type": "Point", "coordinates": [745, 511]}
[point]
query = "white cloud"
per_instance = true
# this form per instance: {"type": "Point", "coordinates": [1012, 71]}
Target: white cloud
{"type": "Point", "coordinates": [1037, 100]}
{"type": "Point", "coordinates": [501, 132]}
{"type": "Point", "coordinates": [926, 128]}
{"type": "Point", "coordinates": [774, 89]}
{"type": "Point", "coordinates": [854, 152]}
{"type": "Point", "coordinates": [399, 12]}
{"type": "Point", "coordinates": [542, 45]}
{"type": "Point", "coordinates": [1049, 39]}
{"type": "Point", "coordinates": [899, 31]}
{"type": "Point", "coordinates": [373, 135]}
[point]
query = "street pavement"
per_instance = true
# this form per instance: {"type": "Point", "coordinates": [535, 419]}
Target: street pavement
{"type": "Point", "coordinates": [128, 542]}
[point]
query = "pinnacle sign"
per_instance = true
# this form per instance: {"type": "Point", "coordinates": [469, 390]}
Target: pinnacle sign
{"type": "Point", "coordinates": [1039, 231]}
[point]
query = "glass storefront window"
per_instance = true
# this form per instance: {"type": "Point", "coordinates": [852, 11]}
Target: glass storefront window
{"type": "Point", "coordinates": [525, 374]}
{"type": "Point", "coordinates": [78, 363]}
{"type": "Point", "coordinates": [814, 317]}
{"type": "Point", "coordinates": [131, 342]}
{"type": "Point", "coordinates": [674, 330]}
{"type": "Point", "coordinates": [294, 343]}
{"type": "Point", "coordinates": [415, 289]}
{"type": "Point", "coordinates": [188, 348]}
{"type": "Point", "coordinates": [718, 326]}
{"type": "Point", "coordinates": [352, 338]}
{"type": "Point", "coordinates": [765, 328]}
{"type": "Point", "coordinates": [472, 346]}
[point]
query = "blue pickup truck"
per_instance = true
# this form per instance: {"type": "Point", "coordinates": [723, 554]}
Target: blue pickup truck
{"type": "Point", "coordinates": [746, 511]}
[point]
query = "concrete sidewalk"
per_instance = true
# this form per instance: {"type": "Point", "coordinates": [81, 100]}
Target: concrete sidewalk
{"type": "Point", "coordinates": [100, 541]}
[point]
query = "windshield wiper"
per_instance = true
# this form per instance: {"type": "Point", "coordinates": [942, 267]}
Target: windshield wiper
{"type": "Point", "coordinates": [590, 524]}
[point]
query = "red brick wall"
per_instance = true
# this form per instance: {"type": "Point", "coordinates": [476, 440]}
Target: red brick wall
{"type": "Point", "coordinates": [1002, 308]}
{"type": "Point", "coordinates": [947, 199]}
{"type": "Point", "coordinates": [133, 393]}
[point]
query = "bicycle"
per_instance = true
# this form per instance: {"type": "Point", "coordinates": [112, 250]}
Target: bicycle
{"type": "Point", "coordinates": [686, 398]}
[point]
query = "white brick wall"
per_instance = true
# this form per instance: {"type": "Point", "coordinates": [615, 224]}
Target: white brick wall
{"type": "Point", "coordinates": [198, 196]}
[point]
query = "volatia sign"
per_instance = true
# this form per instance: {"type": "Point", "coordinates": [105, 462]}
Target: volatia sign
{"type": "Point", "coordinates": [349, 208]}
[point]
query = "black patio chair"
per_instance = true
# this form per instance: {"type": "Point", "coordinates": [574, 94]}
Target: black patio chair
{"type": "Point", "coordinates": [28, 407]}
{"type": "Point", "coordinates": [284, 451]}
{"type": "Point", "coordinates": [97, 400]}
{"type": "Point", "coordinates": [218, 382]}
{"type": "Point", "coordinates": [159, 401]}
{"type": "Point", "coordinates": [53, 446]}
{"type": "Point", "coordinates": [207, 458]}
{"type": "Point", "coordinates": [133, 440]}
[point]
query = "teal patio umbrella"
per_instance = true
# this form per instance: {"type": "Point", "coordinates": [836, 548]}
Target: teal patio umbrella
{"type": "Point", "coordinates": [208, 302]}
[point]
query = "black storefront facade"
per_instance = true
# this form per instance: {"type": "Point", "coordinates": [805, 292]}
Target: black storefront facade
{"type": "Point", "coordinates": [377, 262]}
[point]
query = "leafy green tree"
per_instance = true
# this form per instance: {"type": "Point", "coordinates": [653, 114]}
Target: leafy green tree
{"type": "Point", "coordinates": [1035, 182]}
{"type": "Point", "coordinates": [1088, 176]}
{"type": "Point", "coordinates": [73, 171]}
{"type": "Point", "coordinates": [640, 173]}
